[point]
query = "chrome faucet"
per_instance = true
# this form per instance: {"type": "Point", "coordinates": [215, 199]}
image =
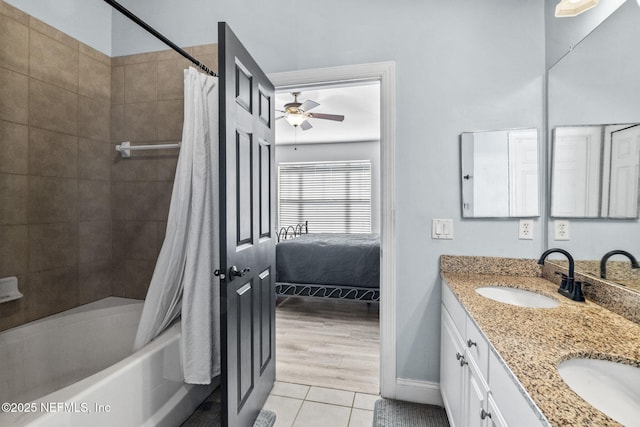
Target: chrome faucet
{"type": "Point", "coordinates": [603, 261]}
{"type": "Point", "coordinates": [568, 287]}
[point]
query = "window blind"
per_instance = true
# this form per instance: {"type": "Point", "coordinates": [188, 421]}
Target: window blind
{"type": "Point", "coordinates": [334, 197]}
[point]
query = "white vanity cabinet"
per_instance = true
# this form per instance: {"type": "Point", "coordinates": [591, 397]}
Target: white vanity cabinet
{"type": "Point", "coordinates": [476, 388]}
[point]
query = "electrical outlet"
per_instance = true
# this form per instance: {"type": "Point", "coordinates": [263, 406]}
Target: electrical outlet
{"type": "Point", "coordinates": [561, 229]}
{"type": "Point", "coordinates": [525, 229]}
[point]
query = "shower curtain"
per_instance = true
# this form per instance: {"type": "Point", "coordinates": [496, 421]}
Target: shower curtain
{"type": "Point", "coordinates": [183, 279]}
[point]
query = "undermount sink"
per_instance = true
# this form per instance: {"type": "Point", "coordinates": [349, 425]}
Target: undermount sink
{"type": "Point", "coordinates": [612, 388]}
{"type": "Point", "coordinates": [518, 297]}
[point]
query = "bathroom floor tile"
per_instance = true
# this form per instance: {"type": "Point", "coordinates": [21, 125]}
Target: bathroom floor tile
{"type": "Point", "coordinates": [297, 391]}
{"type": "Point", "coordinates": [285, 408]}
{"type": "Point", "coordinates": [361, 418]}
{"type": "Point", "coordinates": [331, 396]}
{"type": "Point", "coordinates": [365, 401]}
{"type": "Point", "coordinates": [313, 414]}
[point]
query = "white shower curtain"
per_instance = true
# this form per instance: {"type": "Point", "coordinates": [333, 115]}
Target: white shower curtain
{"type": "Point", "coordinates": [183, 282]}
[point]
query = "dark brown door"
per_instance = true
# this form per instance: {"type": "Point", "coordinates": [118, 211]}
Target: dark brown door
{"type": "Point", "coordinates": [247, 186]}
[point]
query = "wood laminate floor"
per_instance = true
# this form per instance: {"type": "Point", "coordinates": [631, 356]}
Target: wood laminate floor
{"type": "Point", "coordinates": [334, 344]}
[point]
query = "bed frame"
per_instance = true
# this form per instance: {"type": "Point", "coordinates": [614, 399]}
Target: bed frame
{"type": "Point", "coordinates": [352, 293]}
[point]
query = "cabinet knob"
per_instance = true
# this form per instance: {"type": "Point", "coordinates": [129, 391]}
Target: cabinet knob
{"type": "Point", "coordinates": [484, 414]}
{"type": "Point", "coordinates": [459, 356]}
{"type": "Point", "coordinates": [471, 343]}
{"type": "Point", "coordinates": [463, 362]}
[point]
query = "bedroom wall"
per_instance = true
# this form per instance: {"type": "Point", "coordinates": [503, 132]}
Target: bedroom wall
{"type": "Point", "coordinates": [340, 151]}
{"type": "Point", "coordinates": [461, 65]}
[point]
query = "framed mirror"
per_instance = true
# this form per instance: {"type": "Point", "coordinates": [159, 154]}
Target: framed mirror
{"type": "Point", "coordinates": [594, 171]}
{"type": "Point", "coordinates": [500, 173]}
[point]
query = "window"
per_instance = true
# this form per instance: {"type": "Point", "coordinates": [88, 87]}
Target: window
{"type": "Point", "coordinates": [335, 197]}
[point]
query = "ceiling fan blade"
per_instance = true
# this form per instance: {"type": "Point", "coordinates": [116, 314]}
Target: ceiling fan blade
{"type": "Point", "coordinates": [305, 125]}
{"type": "Point", "coordinates": [308, 105]}
{"type": "Point", "coordinates": [335, 117]}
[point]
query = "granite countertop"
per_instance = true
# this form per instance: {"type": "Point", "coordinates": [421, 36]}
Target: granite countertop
{"type": "Point", "coordinates": [532, 341]}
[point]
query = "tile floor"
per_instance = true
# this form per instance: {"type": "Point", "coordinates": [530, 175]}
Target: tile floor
{"type": "Point", "coordinates": [297, 405]}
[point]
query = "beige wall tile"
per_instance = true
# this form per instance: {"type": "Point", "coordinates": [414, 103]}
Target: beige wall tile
{"type": "Point", "coordinates": [94, 241]}
{"type": "Point", "coordinates": [14, 96]}
{"type": "Point", "coordinates": [94, 53]}
{"type": "Point", "coordinates": [135, 240]}
{"type": "Point", "coordinates": [53, 33]}
{"type": "Point", "coordinates": [53, 246]}
{"type": "Point", "coordinates": [148, 201]}
{"type": "Point", "coordinates": [53, 108]}
{"type": "Point", "coordinates": [53, 62]}
{"type": "Point", "coordinates": [140, 121]}
{"type": "Point", "coordinates": [131, 278]}
{"type": "Point", "coordinates": [141, 82]}
{"type": "Point", "coordinates": [13, 250]}
{"type": "Point", "coordinates": [171, 79]}
{"type": "Point", "coordinates": [170, 120]}
{"type": "Point", "coordinates": [14, 13]}
{"type": "Point", "coordinates": [94, 118]}
{"type": "Point", "coordinates": [94, 78]}
{"type": "Point", "coordinates": [52, 154]}
{"type": "Point", "coordinates": [52, 200]}
{"type": "Point", "coordinates": [14, 312]}
{"type": "Point", "coordinates": [119, 206]}
{"type": "Point", "coordinates": [141, 166]}
{"type": "Point", "coordinates": [52, 291]}
{"type": "Point", "coordinates": [14, 146]}
{"type": "Point", "coordinates": [94, 281]}
{"type": "Point", "coordinates": [166, 164]}
{"type": "Point", "coordinates": [94, 159]}
{"type": "Point", "coordinates": [14, 48]}
{"type": "Point", "coordinates": [13, 199]}
{"type": "Point", "coordinates": [94, 200]}
{"type": "Point", "coordinates": [117, 132]}
{"type": "Point", "coordinates": [117, 84]}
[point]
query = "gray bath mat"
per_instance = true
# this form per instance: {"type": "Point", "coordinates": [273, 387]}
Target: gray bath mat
{"type": "Point", "coordinates": [265, 419]}
{"type": "Point", "coordinates": [395, 413]}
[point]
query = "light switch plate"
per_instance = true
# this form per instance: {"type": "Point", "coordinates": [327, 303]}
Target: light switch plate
{"type": "Point", "coordinates": [442, 229]}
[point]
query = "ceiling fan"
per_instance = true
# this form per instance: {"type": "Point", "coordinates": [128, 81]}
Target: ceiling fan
{"type": "Point", "coordinates": [297, 113]}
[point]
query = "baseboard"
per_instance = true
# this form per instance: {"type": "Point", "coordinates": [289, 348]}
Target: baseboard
{"type": "Point", "coordinates": [418, 391]}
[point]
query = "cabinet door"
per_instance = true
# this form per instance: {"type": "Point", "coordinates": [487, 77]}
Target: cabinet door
{"type": "Point", "coordinates": [494, 416]}
{"type": "Point", "coordinates": [476, 397]}
{"type": "Point", "coordinates": [452, 373]}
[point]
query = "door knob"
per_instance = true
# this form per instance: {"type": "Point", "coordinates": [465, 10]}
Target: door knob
{"type": "Point", "coordinates": [234, 272]}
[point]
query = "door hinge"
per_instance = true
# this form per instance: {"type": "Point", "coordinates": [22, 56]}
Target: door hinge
{"type": "Point", "coordinates": [219, 274]}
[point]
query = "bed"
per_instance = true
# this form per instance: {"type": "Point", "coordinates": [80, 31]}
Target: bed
{"type": "Point", "coordinates": [327, 265]}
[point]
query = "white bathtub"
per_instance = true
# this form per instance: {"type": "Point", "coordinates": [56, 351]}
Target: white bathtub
{"type": "Point", "coordinates": [76, 369]}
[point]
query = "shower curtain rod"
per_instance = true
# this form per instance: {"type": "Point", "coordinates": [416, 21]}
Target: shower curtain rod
{"type": "Point", "coordinates": [159, 36]}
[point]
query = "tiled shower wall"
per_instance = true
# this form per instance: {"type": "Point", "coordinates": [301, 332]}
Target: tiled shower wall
{"type": "Point", "coordinates": [55, 204]}
{"type": "Point", "coordinates": [78, 222]}
{"type": "Point", "coordinates": [147, 108]}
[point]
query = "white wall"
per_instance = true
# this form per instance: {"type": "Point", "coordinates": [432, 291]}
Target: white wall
{"type": "Point", "coordinates": [88, 21]}
{"type": "Point", "coordinates": [340, 151]}
{"type": "Point", "coordinates": [461, 65]}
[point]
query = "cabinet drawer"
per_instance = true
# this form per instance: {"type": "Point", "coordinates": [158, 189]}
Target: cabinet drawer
{"type": "Point", "coordinates": [477, 347]}
{"type": "Point", "coordinates": [515, 407]}
{"type": "Point", "coordinates": [455, 309]}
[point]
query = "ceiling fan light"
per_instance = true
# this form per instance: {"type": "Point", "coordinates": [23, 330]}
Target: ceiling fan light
{"type": "Point", "coordinates": [569, 8]}
{"type": "Point", "coordinates": [295, 119]}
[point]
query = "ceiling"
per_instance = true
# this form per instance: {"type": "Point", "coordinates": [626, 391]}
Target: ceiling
{"type": "Point", "coordinates": [358, 102]}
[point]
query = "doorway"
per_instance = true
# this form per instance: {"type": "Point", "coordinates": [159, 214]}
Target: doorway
{"type": "Point", "coordinates": [384, 73]}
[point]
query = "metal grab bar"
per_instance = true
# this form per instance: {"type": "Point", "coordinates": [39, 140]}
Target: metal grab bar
{"type": "Point", "coordinates": [126, 148]}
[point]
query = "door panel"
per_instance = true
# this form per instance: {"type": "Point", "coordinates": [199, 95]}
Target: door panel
{"type": "Point", "coordinates": [247, 245]}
